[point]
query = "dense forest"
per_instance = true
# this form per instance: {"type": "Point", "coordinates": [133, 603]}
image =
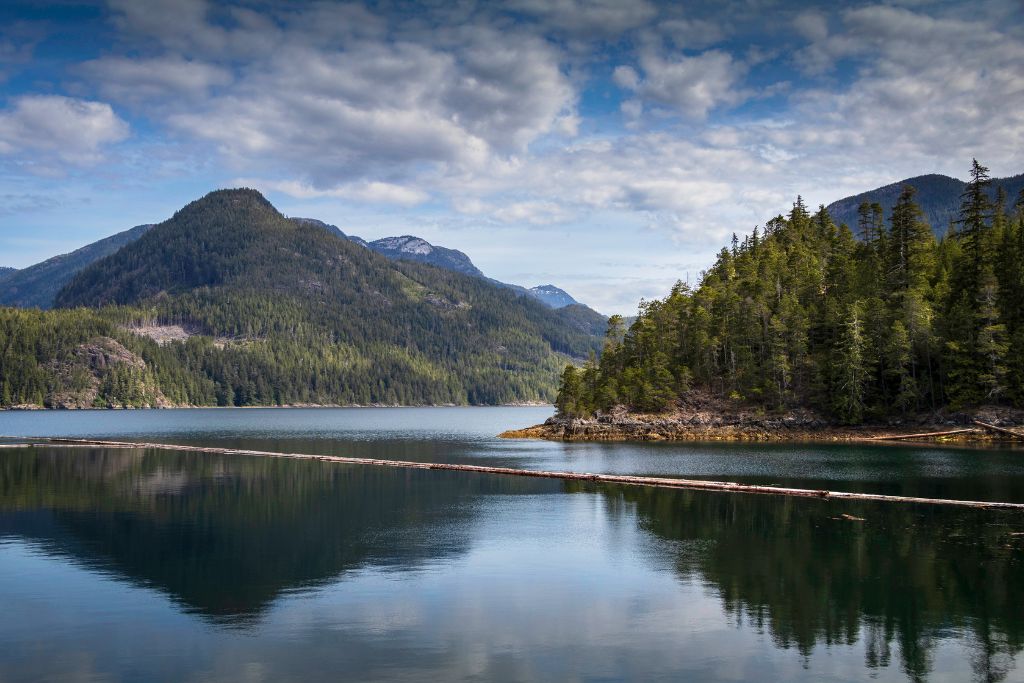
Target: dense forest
{"type": "Point", "coordinates": [807, 313]}
{"type": "Point", "coordinates": [272, 311]}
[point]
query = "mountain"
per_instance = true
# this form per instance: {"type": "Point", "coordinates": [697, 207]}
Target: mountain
{"type": "Point", "coordinates": [937, 195]}
{"type": "Point", "coordinates": [412, 248]}
{"type": "Point", "coordinates": [552, 296]}
{"type": "Point", "coordinates": [36, 286]}
{"type": "Point", "coordinates": [230, 303]}
{"type": "Point", "coordinates": [409, 248]}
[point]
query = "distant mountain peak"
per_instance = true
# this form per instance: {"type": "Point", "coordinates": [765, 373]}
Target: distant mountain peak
{"type": "Point", "coordinates": [407, 244]}
{"type": "Point", "coordinates": [555, 297]}
{"type": "Point", "coordinates": [412, 248]}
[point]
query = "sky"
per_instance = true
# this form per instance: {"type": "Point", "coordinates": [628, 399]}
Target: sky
{"type": "Point", "coordinates": [608, 147]}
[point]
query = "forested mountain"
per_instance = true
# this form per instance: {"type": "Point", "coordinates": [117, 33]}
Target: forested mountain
{"type": "Point", "coordinates": [938, 197]}
{"type": "Point", "coordinates": [36, 286]}
{"type": "Point", "coordinates": [265, 310]}
{"type": "Point", "coordinates": [804, 314]}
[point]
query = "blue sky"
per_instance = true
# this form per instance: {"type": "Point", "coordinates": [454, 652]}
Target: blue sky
{"type": "Point", "coordinates": [610, 148]}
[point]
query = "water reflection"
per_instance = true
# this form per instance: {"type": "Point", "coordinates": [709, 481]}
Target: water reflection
{"type": "Point", "coordinates": [225, 535]}
{"type": "Point", "coordinates": [904, 577]}
{"type": "Point", "coordinates": [230, 538]}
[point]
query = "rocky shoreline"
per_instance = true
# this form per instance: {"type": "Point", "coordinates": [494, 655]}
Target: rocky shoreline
{"type": "Point", "coordinates": [803, 425]}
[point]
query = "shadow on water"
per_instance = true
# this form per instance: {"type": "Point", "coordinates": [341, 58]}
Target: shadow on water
{"type": "Point", "coordinates": [900, 576]}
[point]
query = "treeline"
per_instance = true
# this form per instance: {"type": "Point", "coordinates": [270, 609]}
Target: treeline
{"type": "Point", "coordinates": [806, 314]}
{"type": "Point", "coordinates": [87, 358]}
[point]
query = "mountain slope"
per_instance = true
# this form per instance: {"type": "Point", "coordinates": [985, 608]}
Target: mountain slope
{"type": "Point", "coordinates": [269, 310]}
{"type": "Point", "coordinates": [937, 195]}
{"type": "Point", "coordinates": [36, 286]}
{"type": "Point", "coordinates": [6, 271]}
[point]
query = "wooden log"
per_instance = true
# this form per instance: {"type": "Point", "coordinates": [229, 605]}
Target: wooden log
{"type": "Point", "coordinates": [925, 435]}
{"type": "Point", "coordinates": [1000, 430]}
{"type": "Point", "coordinates": [629, 480]}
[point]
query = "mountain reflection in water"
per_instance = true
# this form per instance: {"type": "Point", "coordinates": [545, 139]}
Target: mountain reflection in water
{"type": "Point", "coordinates": [226, 538]}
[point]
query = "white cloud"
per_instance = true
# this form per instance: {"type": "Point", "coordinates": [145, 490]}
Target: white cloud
{"type": "Point", "coordinates": [812, 25]}
{"type": "Point", "coordinates": [692, 86]}
{"type": "Point", "coordinates": [532, 212]}
{"type": "Point", "coordinates": [588, 17]}
{"type": "Point", "coordinates": [931, 92]}
{"type": "Point", "coordinates": [68, 130]}
{"type": "Point", "coordinates": [136, 80]}
{"type": "Point", "coordinates": [691, 34]}
{"type": "Point", "coordinates": [374, 192]}
{"type": "Point", "coordinates": [332, 103]}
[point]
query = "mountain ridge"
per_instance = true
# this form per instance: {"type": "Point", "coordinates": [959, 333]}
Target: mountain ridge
{"type": "Point", "coordinates": [938, 196]}
{"type": "Point", "coordinates": [37, 285]}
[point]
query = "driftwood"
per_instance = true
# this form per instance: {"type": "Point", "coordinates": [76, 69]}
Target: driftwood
{"type": "Point", "coordinates": [926, 435]}
{"type": "Point", "coordinates": [1001, 430]}
{"type": "Point", "coordinates": [656, 482]}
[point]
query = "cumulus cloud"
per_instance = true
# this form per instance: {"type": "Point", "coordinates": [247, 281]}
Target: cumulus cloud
{"type": "Point", "coordinates": [69, 130]}
{"type": "Point", "coordinates": [812, 25]}
{"type": "Point", "coordinates": [588, 17]}
{"type": "Point", "coordinates": [692, 86]}
{"type": "Point", "coordinates": [930, 90]}
{"type": "Point", "coordinates": [136, 80]}
{"type": "Point", "coordinates": [343, 95]}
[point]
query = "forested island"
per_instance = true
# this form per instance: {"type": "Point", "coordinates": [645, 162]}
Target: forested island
{"type": "Point", "coordinates": [806, 326]}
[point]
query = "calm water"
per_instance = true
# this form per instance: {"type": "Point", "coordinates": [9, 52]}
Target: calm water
{"type": "Point", "coordinates": [155, 565]}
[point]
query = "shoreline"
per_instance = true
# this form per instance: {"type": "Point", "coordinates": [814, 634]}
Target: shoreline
{"type": "Point", "coordinates": [43, 409]}
{"type": "Point", "coordinates": [983, 426]}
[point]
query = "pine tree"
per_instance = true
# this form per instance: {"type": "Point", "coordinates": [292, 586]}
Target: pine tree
{"type": "Point", "coordinates": [850, 378]}
{"type": "Point", "coordinates": [975, 216]}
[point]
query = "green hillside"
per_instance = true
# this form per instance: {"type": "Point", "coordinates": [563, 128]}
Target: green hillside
{"type": "Point", "coordinates": [255, 309]}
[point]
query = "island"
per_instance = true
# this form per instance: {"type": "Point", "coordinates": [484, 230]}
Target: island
{"type": "Point", "coordinates": [803, 330]}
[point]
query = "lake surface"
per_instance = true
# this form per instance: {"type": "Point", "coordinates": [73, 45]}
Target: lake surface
{"type": "Point", "coordinates": [146, 564]}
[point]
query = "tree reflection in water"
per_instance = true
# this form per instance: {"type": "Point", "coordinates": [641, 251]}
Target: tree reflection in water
{"type": "Point", "coordinates": [905, 575]}
{"type": "Point", "coordinates": [225, 536]}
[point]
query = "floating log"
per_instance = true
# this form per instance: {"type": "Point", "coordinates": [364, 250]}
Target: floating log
{"type": "Point", "coordinates": [925, 435]}
{"type": "Point", "coordinates": [1001, 430]}
{"type": "Point", "coordinates": [655, 482]}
